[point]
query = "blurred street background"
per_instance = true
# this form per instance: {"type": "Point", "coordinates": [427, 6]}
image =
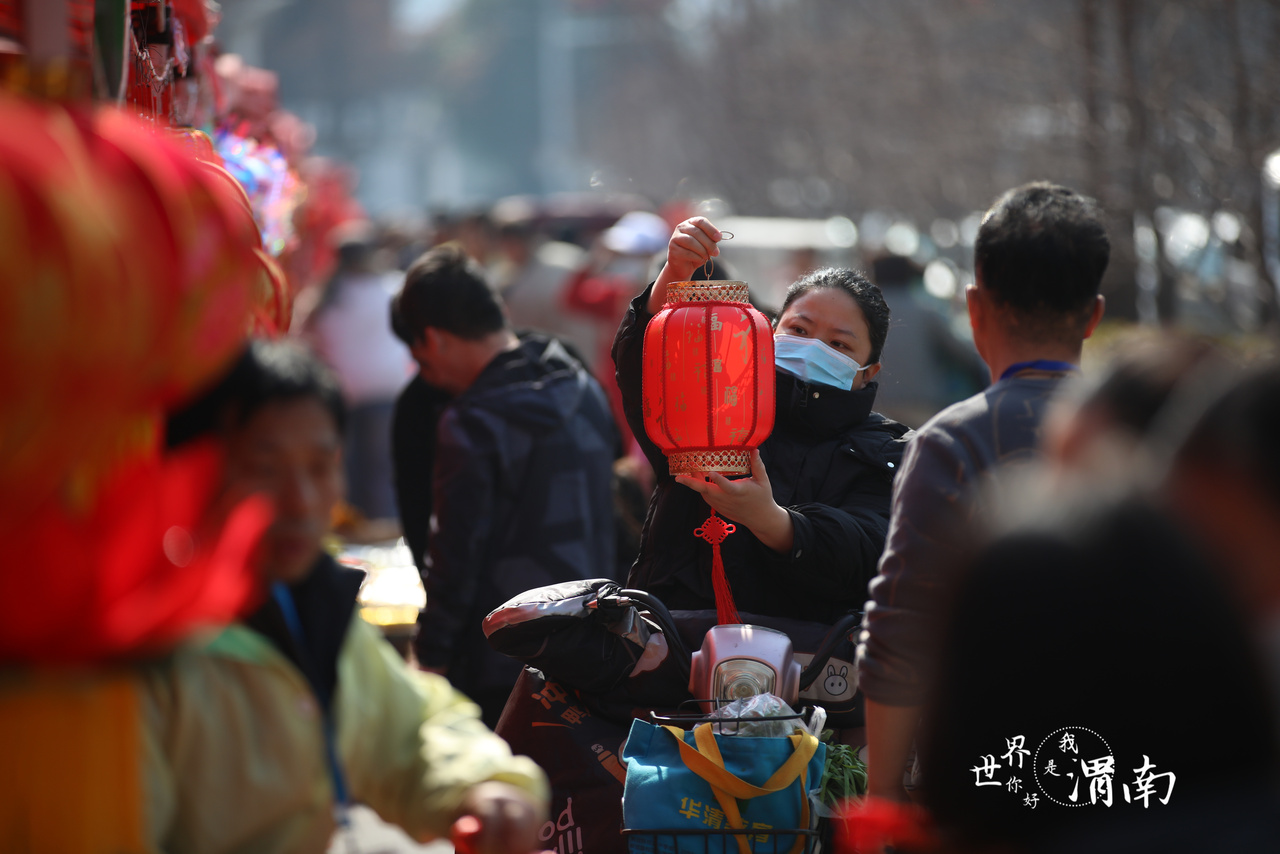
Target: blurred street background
{"type": "Point", "coordinates": [880, 128]}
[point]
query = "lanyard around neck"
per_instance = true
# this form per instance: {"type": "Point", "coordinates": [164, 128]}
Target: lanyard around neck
{"type": "Point", "coordinates": [289, 609]}
{"type": "Point", "coordinates": [1052, 366]}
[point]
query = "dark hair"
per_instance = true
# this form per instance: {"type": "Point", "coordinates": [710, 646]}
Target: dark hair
{"type": "Point", "coordinates": [1238, 430]}
{"type": "Point", "coordinates": [1041, 252]}
{"type": "Point", "coordinates": [354, 247]}
{"type": "Point", "coordinates": [863, 292]}
{"type": "Point", "coordinates": [354, 244]}
{"type": "Point", "coordinates": [1102, 618]}
{"type": "Point", "coordinates": [286, 371]}
{"type": "Point", "coordinates": [1143, 376]}
{"type": "Point", "coordinates": [266, 372]}
{"type": "Point", "coordinates": [446, 289]}
{"type": "Point", "coordinates": [204, 414]}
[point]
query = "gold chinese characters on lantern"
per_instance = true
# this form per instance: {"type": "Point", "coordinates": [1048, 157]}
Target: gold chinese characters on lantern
{"type": "Point", "coordinates": [708, 378]}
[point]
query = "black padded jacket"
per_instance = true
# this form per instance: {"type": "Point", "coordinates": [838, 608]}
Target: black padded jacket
{"type": "Point", "coordinates": [831, 463]}
{"type": "Point", "coordinates": [523, 478]}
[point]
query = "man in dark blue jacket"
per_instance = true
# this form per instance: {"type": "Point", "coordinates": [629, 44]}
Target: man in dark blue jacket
{"type": "Point", "coordinates": [523, 466]}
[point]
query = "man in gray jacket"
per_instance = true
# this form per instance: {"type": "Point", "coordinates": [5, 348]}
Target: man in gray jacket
{"type": "Point", "coordinates": [1039, 258]}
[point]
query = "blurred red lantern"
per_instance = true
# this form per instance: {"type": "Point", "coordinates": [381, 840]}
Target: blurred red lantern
{"type": "Point", "coordinates": [273, 299]}
{"type": "Point", "coordinates": [127, 279]}
{"type": "Point", "coordinates": [708, 388]}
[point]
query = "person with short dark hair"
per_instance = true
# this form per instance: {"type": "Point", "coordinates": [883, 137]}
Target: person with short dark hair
{"type": "Point", "coordinates": [1039, 258]}
{"type": "Point", "coordinates": [812, 516]}
{"type": "Point", "coordinates": [1101, 429]}
{"type": "Point", "coordinates": [1222, 480]}
{"type": "Point", "coordinates": [1074, 620]}
{"type": "Point", "coordinates": [446, 290]}
{"type": "Point", "coordinates": [256, 734]}
{"type": "Point", "coordinates": [522, 474]}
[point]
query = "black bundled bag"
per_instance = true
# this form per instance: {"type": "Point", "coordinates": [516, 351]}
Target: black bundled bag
{"type": "Point", "coordinates": [608, 666]}
{"type": "Point", "coordinates": [614, 657]}
{"type": "Point", "coordinates": [621, 662]}
{"type": "Point", "coordinates": [552, 629]}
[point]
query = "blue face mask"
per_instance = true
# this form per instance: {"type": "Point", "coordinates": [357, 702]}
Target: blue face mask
{"type": "Point", "coordinates": [814, 362]}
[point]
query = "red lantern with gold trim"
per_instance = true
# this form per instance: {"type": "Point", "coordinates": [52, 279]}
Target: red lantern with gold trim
{"type": "Point", "coordinates": [708, 385]}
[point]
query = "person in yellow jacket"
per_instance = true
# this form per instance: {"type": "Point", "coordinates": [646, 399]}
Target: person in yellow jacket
{"type": "Point", "coordinates": [258, 737]}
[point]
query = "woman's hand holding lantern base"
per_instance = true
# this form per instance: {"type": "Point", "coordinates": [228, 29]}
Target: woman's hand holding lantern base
{"type": "Point", "coordinates": [748, 501]}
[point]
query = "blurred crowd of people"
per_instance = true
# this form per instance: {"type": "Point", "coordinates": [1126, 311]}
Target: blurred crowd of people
{"type": "Point", "coordinates": [1050, 548]}
{"type": "Point", "coordinates": [1070, 579]}
{"type": "Point", "coordinates": [567, 274]}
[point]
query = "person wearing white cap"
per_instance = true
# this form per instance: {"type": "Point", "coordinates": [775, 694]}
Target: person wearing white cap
{"type": "Point", "coordinates": [636, 233]}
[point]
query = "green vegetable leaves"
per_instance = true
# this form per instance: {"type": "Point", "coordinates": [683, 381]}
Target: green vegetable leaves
{"type": "Point", "coordinates": [845, 775]}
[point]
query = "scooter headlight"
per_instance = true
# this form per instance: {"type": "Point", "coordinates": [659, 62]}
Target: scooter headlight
{"type": "Point", "coordinates": [738, 678]}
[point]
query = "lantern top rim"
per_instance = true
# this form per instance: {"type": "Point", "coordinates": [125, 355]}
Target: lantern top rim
{"type": "Point", "coordinates": [712, 291]}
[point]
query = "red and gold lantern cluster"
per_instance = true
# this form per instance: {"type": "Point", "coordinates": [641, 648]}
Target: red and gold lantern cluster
{"type": "Point", "coordinates": [126, 283]}
{"type": "Point", "coordinates": [708, 387]}
{"type": "Point", "coordinates": [129, 274]}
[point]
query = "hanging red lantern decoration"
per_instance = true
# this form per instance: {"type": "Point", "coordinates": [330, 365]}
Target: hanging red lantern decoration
{"type": "Point", "coordinates": [127, 282]}
{"type": "Point", "coordinates": [708, 389]}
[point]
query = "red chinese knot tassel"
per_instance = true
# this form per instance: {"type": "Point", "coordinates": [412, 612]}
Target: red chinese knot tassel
{"type": "Point", "coordinates": [714, 530]}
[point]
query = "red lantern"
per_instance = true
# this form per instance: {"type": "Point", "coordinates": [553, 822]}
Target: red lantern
{"type": "Point", "coordinates": [126, 283]}
{"type": "Point", "coordinates": [709, 392]}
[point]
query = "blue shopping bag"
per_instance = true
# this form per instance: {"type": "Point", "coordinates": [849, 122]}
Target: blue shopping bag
{"type": "Point", "coordinates": [688, 782]}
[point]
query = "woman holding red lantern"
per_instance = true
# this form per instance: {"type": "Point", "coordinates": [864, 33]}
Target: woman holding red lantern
{"type": "Point", "coordinates": [811, 517]}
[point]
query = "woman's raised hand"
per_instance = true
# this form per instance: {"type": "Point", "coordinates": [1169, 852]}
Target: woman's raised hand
{"type": "Point", "coordinates": [692, 244]}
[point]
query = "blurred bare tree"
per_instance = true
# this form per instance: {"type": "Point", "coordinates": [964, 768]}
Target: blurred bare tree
{"type": "Point", "coordinates": [931, 108]}
{"type": "Point", "coordinates": [1184, 97]}
{"type": "Point", "coordinates": [916, 108]}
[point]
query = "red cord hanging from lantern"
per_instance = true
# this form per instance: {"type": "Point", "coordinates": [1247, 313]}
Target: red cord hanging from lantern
{"type": "Point", "coordinates": [709, 393]}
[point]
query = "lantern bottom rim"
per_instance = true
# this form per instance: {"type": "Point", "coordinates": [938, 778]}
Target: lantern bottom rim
{"type": "Point", "coordinates": [699, 462]}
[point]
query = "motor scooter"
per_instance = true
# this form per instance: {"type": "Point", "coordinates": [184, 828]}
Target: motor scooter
{"type": "Point", "coordinates": [599, 656]}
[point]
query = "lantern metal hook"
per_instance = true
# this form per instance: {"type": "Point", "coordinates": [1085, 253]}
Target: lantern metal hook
{"type": "Point", "coordinates": [709, 265]}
